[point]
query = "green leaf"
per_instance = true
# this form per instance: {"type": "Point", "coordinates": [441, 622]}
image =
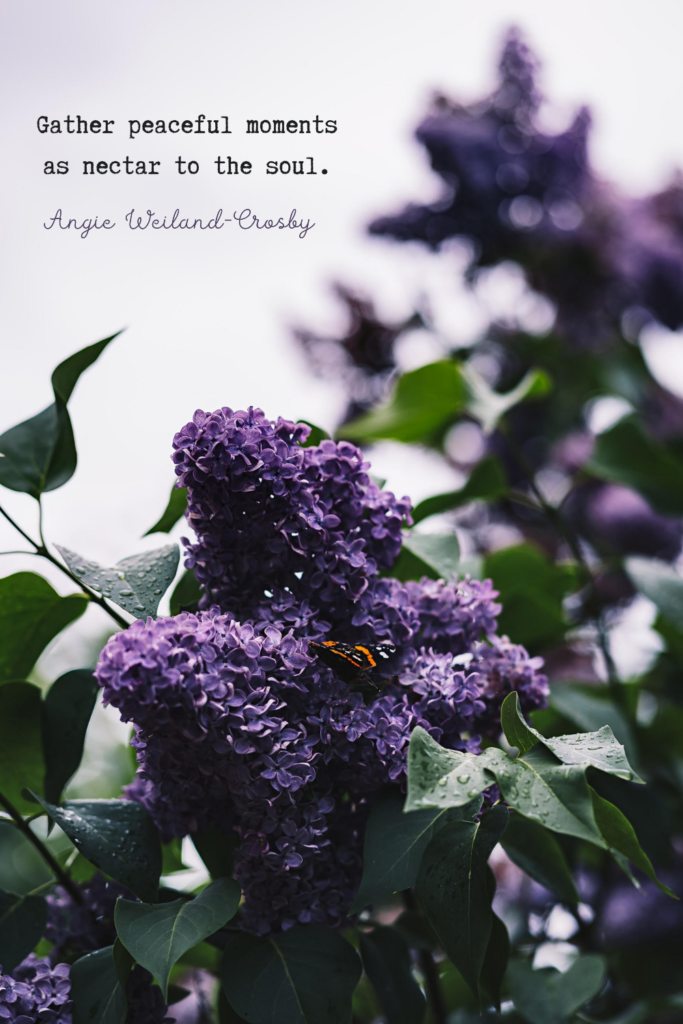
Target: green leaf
{"type": "Point", "coordinates": [174, 511]}
{"type": "Point", "coordinates": [533, 849]}
{"type": "Point", "coordinates": [31, 616]}
{"type": "Point", "coordinates": [531, 591]}
{"type": "Point", "coordinates": [661, 583]}
{"type": "Point", "coordinates": [65, 714]}
{"type": "Point", "coordinates": [118, 836]}
{"type": "Point", "coordinates": [486, 483]}
{"type": "Point", "coordinates": [552, 794]}
{"type": "Point", "coordinates": [537, 785]}
{"type": "Point", "coordinates": [156, 935]}
{"type": "Point", "coordinates": [97, 995]}
{"type": "Point", "coordinates": [589, 712]}
{"type": "Point", "coordinates": [517, 732]}
{"type": "Point", "coordinates": [443, 778]}
{"type": "Point", "coordinates": [621, 838]}
{"type": "Point", "coordinates": [439, 552]}
{"type": "Point", "coordinates": [22, 923]}
{"type": "Point", "coordinates": [172, 857]}
{"type": "Point", "coordinates": [386, 960]}
{"type": "Point", "coordinates": [186, 593]}
{"type": "Point", "coordinates": [489, 406]}
{"type": "Point", "coordinates": [496, 958]}
{"type": "Point", "coordinates": [217, 850]}
{"type": "Point", "coordinates": [316, 435]}
{"type": "Point", "coordinates": [40, 454]}
{"type": "Point", "coordinates": [135, 584]}
{"type": "Point", "coordinates": [599, 749]}
{"type": "Point", "coordinates": [394, 844]}
{"type": "Point", "coordinates": [425, 401]}
{"type": "Point", "coordinates": [454, 889]}
{"type": "Point", "coordinates": [123, 962]}
{"type": "Point", "coordinates": [625, 454]}
{"type": "Point", "coordinates": [305, 975]}
{"type": "Point", "coordinates": [21, 753]}
{"type": "Point", "coordinates": [548, 997]}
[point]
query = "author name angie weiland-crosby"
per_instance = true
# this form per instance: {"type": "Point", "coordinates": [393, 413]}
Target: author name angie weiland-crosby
{"type": "Point", "coordinates": [245, 220]}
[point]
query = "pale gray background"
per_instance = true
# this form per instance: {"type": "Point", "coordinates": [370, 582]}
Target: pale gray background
{"type": "Point", "coordinates": [207, 315]}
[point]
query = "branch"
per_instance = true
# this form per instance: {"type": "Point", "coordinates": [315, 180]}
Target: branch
{"type": "Point", "coordinates": [53, 864]}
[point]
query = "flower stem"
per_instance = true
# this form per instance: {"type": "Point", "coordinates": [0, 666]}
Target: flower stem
{"type": "Point", "coordinates": [42, 849]}
{"type": "Point", "coordinates": [565, 531]}
{"type": "Point", "coordinates": [42, 551]}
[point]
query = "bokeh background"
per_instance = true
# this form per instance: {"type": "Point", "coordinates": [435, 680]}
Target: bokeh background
{"type": "Point", "coordinates": [209, 315]}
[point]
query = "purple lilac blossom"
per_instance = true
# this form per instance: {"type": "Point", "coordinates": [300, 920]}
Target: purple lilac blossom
{"type": "Point", "coordinates": [238, 727]}
{"type": "Point", "coordinates": [36, 992]}
{"type": "Point", "coordinates": [519, 193]}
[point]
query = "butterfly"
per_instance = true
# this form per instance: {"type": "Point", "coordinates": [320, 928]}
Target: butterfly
{"type": "Point", "coordinates": [354, 663]}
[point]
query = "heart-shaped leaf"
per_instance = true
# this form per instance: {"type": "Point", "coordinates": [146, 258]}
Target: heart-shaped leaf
{"type": "Point", "coordinates": [22, 923]}
{"type": "Point", "coordinates": [31, 615]}
{"type": "Point", "coordinates": [118, 836]}
{"type": "Point", "coordinates": [548, 997]}
{"type": "Point", "coordinates": [306, 975]}
{"type": "Point", "coordinates": [97, 995]}
{"type": "Point", "coordinates": [136, 584]}
{"type": "Point", "coordinates": [65, 714]}
{"type": "Point", "coordinates": [621, 838]}
{"type": "Point", "coordinates": [156, 935]}
{"type": "Point", "coordinates": [21, 752]}
{"type": "Point", "coordinates": [455, 892]}
{"type": "Point", "coordinates": [40, 453]}
{"type": "Point", "coordinates": [394, 844]}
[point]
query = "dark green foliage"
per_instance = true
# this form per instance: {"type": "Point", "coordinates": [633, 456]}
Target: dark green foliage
{"type": "Point", "coordinates": [31, 615]}
{"type": "Point", "coordinates": [97, 995]}
{"type": "Point", "coordinates": [65, 714]}
{"type": "Point", "coordinates": [425, 402]}
{"type": "Point", "coordinates": [316, 435]}
{"type": "Point", "coordinates": [531, 592]}
{"type": "Point", "coordinates": [394, 844]}
{"type": "Point", "coordinates": [21, 750]}
{"type": "Point", "coordinates": [40, 454]}
{"type": "Point", "coordinates": [627, 455]}
{"type": "Point", "coordinates": [549, 997]}
{"type": "Point", "coordinates": [157, 935]}
{"type": "Point", "coordinates": [135, 584]}
{"type": "Point", "coordinates": [486, 483]}
{"type": "Point", "coordinates": [22, 923]}
{"type": "Point", "coordinates": [303, 976]}
{"type": "Point", "coordinates": [173, 513]}
{"type": "Point", "coordinates": [454, 889]}
{"type": "Point", "coordinates": [117, 836]}
{"type": "Point", "coordinates": [538, 853]}
{"type": "Point", "coordinates": [217, 851]}
{"type": "Point", "coordinates": [186, 593]}
{"type": "Point", "coordinates": [386, 961]}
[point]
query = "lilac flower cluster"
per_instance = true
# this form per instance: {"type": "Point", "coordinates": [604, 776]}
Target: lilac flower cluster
{"type": "Point", "coordinates": [238, 726]}
{"type": "Point", "coordinates": [36, 992]}
{"type": "Point", "coordinates": [519, 193]}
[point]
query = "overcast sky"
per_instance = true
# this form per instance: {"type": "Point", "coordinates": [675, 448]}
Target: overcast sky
{"type": "Point", "coordinates": [207, 314]}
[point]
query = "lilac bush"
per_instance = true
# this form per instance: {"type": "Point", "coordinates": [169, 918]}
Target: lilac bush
{"type": "Point", "coordinates": [238, 726]}
{"type": "Point", "coordinates": [36, 992]}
